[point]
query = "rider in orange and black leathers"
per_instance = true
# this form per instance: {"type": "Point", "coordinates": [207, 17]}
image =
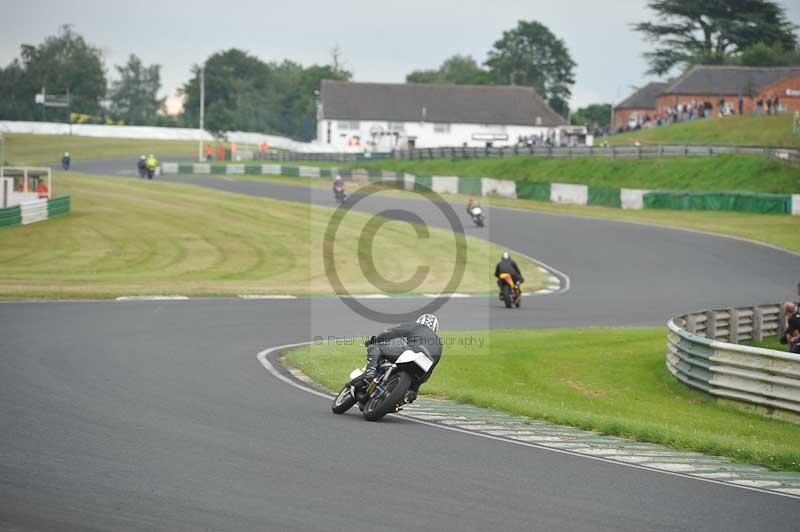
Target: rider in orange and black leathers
{"type": "Point", "coordinates": [507, 265]}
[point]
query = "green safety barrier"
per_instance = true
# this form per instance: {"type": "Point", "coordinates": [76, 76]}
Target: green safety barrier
{"type": "Point", "coordinates": [184, 168]}
{"type": "Point", "coordinates": [610, 197]}
{"type": "Point", "coordinates": [58, 206]}
{"type": "Point", "coordinates": [325, 172]}
{"type": "Point", "coordinates": [424, 181]}
{"type": "Point", "coordinates": [252, 169]}
{"type": "Point", "coordinates": [346, 174]}
{"type": "Point", "coordinates": [533, 190]}
{"type": "Point", "coordinates": [10, 216]}
{"type": "Point", "coordinates": [219, 169]}
{"type": "Point", "coordinates": [374, 176]}
{"type": "Point", "coordinates": [470, 186]}
{"type": "Point", "coordinates": [291, 171]}
{"type": "Point", "coordinates": [754, 202]}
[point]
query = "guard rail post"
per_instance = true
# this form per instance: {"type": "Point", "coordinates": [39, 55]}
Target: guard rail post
{"type": "Point", "coordinates": [691, 323]}
{"type": "Point", "coordinates": [758, 324]}
{"type": "Point", "coordinates": [711, 325]}
{"type": "Point", "coordinates": [733, 326]}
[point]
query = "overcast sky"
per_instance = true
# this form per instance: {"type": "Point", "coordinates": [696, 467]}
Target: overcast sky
{"type": "Point", "coordinates": [381, 41]}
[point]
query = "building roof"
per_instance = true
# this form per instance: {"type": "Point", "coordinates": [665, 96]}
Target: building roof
{"type": "Point", "coordinates": [413, 102]}
{"type": "Point", "coordinates": [728, 80]}
{"type": "Point", "coordinates": [644, 98]}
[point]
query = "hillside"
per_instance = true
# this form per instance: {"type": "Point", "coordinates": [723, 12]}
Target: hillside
{"type": "Point", "coordinates": [746, 130]}
{"type": "Point", "coordinates": [722, 172]}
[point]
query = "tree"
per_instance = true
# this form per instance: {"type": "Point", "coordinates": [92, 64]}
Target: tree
{"type": "Point", "coordinates": [66, 63]}
{"type": "Point", "coordinates": [532, 55]}
{"type": "Point", "coordinates": [134, 96]}
{"type": "Point", "coordinates": [599, 113]}
{"type": "Point", "coordinates": [710, 31]}
{"type": "Point", "coordinates": [763, 55]}
{"type": "Point", "coordinates": [457, 69]}
{"type": "Point", "coordinates": [62, 64]}
{"type": "Point", "coordinates": [245, 93]}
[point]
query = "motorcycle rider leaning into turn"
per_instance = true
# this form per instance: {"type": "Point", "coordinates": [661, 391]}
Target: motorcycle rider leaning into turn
{"type": "Point", "coordinates": [507, 265]}
{"type": "Point", "coordinates": [391, 343]}
{"type": "Point", "coordinates": [471, 204]}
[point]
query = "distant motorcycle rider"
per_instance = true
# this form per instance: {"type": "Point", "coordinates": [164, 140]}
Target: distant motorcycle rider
{"type": "Point", "coordinates": [471, 204]}
{"type": "Point", "coordinates": [391, 343]}
{"type": "Point", "coordinates": [65, 160]}
{"type": "Point", "coordinates": [152, 164]}
{"type": "Point", "coordinates": [338, 186]}
{"type": "Point", "coordinates": [507, 265]}
{"type": "Point", "coordinates": [142, 165]}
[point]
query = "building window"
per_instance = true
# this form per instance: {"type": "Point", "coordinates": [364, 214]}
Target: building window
{"type": "Point", "coordinates": [396, 126]}
{"type": "Point", "coordinates": [351, 125]}
{"type": "Point", "coordinates": [441, 128]}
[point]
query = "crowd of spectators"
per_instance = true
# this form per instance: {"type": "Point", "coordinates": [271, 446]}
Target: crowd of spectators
{"type": "Point", "coordinates": [694, 110]}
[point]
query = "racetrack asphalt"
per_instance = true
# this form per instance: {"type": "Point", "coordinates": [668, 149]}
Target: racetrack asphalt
{"type": "Point", "coordinates": [157, 415]}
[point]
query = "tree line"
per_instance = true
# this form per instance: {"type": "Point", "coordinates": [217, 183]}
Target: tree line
{"type": "Point", "coordinates": [243, 92]}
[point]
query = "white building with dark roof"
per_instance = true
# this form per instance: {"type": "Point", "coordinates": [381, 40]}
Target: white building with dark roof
{"type": "Point", "coordinates": [386, 116]}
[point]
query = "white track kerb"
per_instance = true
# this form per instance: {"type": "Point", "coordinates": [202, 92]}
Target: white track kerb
{"type": "Point", "coordinates": [448, 418]}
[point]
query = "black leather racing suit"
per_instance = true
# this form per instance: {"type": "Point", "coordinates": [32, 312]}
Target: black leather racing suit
{"type": "Point", "coordinates": [510, 267]}
{"type": "Point", "coordinates": [391, 343]}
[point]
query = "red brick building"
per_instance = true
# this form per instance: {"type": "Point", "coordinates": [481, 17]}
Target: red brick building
{"type": "Point", "coordinates": [714, 84]}
{"type": "Point", "coordinates": [639, 105]}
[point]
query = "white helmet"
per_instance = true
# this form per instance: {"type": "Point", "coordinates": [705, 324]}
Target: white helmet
{"type": "Point", "coordinates": [430, 321]}
{"type": "Point", "coordinates": [506, 255]}
{"type": "Point", "coordinates": [66, 154]}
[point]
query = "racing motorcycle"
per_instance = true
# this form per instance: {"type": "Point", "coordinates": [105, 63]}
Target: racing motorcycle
{"type": "Point", "coordinates": [386, 393]}
{"type": "Point", "coordinates": [510, 292]}
{"type": "Point", "coordinates": [340, 195]}
{"type": "Point", "coordinates": [477, 215]}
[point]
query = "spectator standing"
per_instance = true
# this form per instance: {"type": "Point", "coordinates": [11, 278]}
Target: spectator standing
{"type": "Point", "coordinates": [791, 336]}
{"type": "Point", "coordinates": [741, 105]}
{"type": "Point", "coordinates": [759, 107]}
{"type": "Point", "coordinates": [776, 105]}
{"type": "Point", "coordinates": [769, 105]}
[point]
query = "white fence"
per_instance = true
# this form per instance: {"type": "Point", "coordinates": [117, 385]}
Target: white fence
{"type": "Point", "coordinates": [165, 133]}
{"type": "Point", "coordinates": [697, 357]}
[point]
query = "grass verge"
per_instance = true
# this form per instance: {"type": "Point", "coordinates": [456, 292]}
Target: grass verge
{"type": "Point", "coordinates": [612, 380]}
{"type": "Point", "coordinates": [746, 130]}
{"type": "Point", "coordinates": [722, 172]}
{"type": "Point", "coordinates": [133, 237]}
{"type": "Point", "coordinates": [48, 149]}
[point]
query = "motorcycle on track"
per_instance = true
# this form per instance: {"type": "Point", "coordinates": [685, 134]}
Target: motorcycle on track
{"type": "Point", "coordinates": [510, 292]}
{"type": "Point", "coordinates": [340, 195]}
{"type": "Point", "coordinates": [477, 215]}
{"type": "Point", "coordinates": [386, 393]}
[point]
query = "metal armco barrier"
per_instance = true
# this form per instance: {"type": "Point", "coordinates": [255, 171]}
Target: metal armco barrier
{"type": "Point", "coordinates": [702, 352]}
{"type": "Point", "coordinates": [612, 152]}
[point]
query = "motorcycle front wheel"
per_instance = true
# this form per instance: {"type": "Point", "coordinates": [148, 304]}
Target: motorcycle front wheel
{"type": "Point", "coordinates": [344, 401]}
{"type": "Point", "coordinates": [387, 401]}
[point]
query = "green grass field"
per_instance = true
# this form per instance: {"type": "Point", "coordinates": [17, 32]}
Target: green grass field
{"type": "Point", "coordinates": [723, 172]}
{"type": "Point", "coordinates": [610, 380]}
{"type": "Point", "coordinates": [48, 149]}
{"type": "Point", "coordinates": [744, 130]}
{"type": "Point", "coordinates": [132, 237]}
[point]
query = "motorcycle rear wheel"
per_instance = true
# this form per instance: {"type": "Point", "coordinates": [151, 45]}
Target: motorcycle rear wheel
{"type": "Point", "coordinates": [344, 401]}
{"type": "Point", "coordinates": [505, 291]}
{"type": "Point", "coordinates": [387, 401]}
